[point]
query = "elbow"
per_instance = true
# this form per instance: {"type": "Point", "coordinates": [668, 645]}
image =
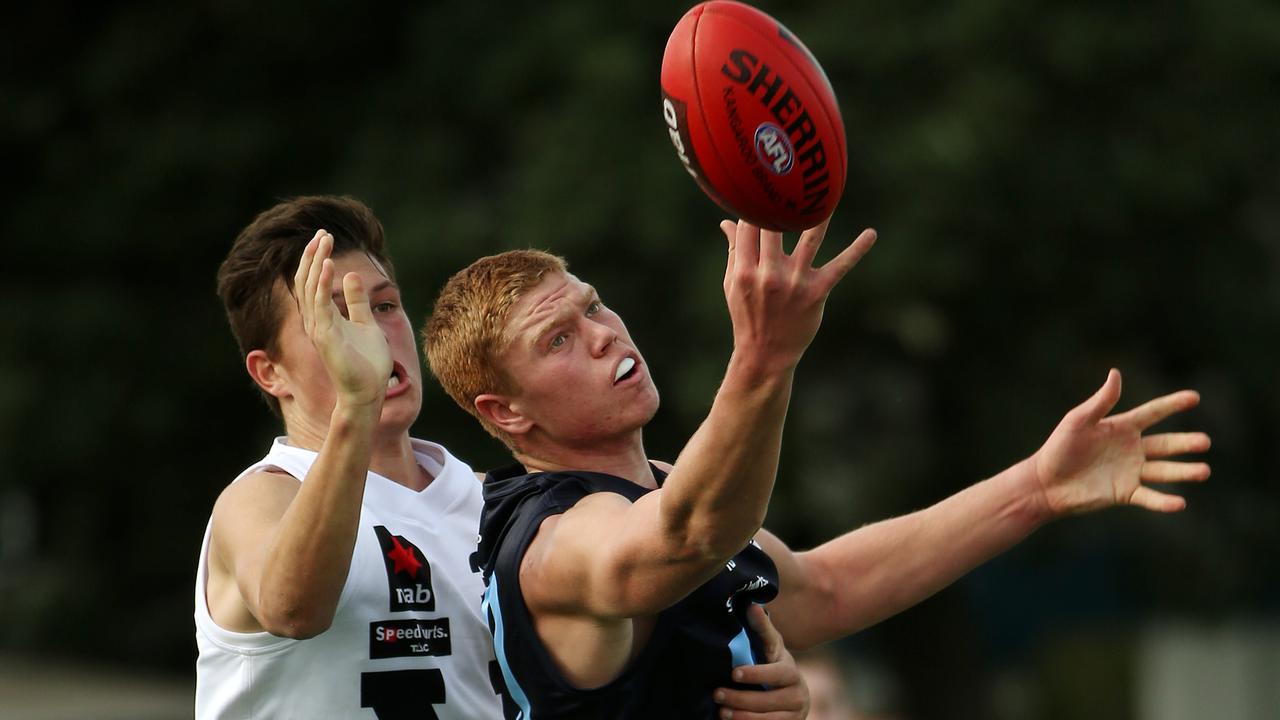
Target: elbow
{"type": "Point", "coordinates": [711, 536]}
{"type": "Point", "coordinates": [295, 620]}
{"type": "Point", "coordinates": [710, 551]}
{"type": "Point", "coordinates": [715, 543]}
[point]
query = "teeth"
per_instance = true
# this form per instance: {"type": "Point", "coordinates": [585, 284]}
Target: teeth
{"type": "Point", "coordinates": [623, 368]}
{"type": "Point", "coordinates": [393, 381]}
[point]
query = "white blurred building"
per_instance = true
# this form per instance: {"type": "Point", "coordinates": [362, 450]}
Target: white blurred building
{"type": "Point", "coordinates": [1191, 671]}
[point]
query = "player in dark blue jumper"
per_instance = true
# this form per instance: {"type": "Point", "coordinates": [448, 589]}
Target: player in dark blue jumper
{"type": "Point", "coordinates": [617, 588]}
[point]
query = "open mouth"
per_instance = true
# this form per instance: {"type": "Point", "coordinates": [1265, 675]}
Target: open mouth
{"type": "Point", "coordinates": [399, 380]}
{"type": "Point", "coordinates": [625, 370]}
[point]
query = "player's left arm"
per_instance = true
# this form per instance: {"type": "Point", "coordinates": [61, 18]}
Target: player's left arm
{"type": "Point", "coordinates": [1090, 461]}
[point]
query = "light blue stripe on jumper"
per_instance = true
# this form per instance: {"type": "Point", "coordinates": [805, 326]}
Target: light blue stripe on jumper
{"type": "Point", "coordinates": [493, 609]}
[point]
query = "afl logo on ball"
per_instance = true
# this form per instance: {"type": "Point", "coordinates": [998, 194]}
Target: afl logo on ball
{"type": "Point", "coordinates": [773, 147]}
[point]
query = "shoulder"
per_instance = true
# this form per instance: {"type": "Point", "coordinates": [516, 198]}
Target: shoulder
{"type": "Point", "coordinates": [254, 497]}
{"type": "Point", "coordinates": [559, 551]}
{"type": "Point", "coordinates": [246, 511]}
{"type": "Point", "coordinates": [267, 481]}
{"type": "Point", "coordinates": [518, 506]}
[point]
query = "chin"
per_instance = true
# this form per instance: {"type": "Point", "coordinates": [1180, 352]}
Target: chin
{"type": "Point", "coordinates": [399, 417]}
{"type": "Point", "coordinates": [646, 410]}
{"type": "Point", "coordinates": [653, 401]}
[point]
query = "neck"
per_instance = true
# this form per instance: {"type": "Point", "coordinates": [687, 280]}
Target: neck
{"type": "Point", "coordinates": [625, 458]}
{"type": "Point", "coordinates": [393, 459]}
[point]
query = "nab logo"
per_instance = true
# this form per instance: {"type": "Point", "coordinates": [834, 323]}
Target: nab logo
{"type": "Point", "coordinates": [773, 147]}
{"type": "Point", "coordinates": [408, 573]}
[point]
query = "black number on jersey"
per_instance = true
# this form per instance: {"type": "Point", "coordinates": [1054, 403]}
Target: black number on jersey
{"type": "Point", "coordinates": [509, 708]}
{"type": "Point", "coordinates": [409, 694]}
{"type": "Point", "coordinates": [402, 694]}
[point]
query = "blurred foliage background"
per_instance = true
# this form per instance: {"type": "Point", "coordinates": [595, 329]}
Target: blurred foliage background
{"type": "Point", "coordinates": [1060, 187]}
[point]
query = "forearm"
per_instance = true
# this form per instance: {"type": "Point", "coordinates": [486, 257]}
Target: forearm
{"type": "Point", "coordinates": [717, 496]}
{"type": "Point", "coordinates": [872, 573]}
{"type": "Point", "coordinates": [309, 555]}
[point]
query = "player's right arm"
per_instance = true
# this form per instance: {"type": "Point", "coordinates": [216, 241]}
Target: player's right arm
{"type": "Point", "coordinates": [281, 549]}
{"type": "Point", "coordinates": [609, 558]}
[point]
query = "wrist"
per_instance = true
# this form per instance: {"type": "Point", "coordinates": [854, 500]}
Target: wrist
{"type": "Point", "coordinates": [355, 415]}
{"type": "Point", "coordinates": [1031, 490]}
{"type": "Point", "coordinates": [754, 368]}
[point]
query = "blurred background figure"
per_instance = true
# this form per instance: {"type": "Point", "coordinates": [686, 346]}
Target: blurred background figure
{"type": "Point", "coordinates": [828, 690]}
{"type": "Point", "coordinates": [849, 687]}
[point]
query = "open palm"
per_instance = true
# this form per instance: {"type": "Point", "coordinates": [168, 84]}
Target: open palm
{"type": "Point", "coordinates": [1092, 461]}
{"type": "Point", "coordinates": [353, 348]}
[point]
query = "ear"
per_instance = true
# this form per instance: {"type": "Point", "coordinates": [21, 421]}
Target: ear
{"type": "Point", "coordinates": [499, 411]}
{"type": "Point", "coordinates": [267, 374]}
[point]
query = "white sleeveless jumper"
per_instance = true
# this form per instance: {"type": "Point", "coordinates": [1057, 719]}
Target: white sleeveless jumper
{"type": "Point", "coordinates": [407, 640]}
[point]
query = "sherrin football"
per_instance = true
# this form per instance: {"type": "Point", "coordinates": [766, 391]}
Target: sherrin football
{"type": "Point", "coordinates": [753, 117]}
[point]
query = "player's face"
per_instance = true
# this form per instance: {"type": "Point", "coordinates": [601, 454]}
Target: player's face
{"type": "Point", "coordinates": [312, 392]}
{"type": "Point", "coordinates": [580, 377]}
{"type": "Point", "coordinates": [827, 699]}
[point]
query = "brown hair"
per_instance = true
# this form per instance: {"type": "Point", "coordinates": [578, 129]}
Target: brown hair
{"type": "Point", "coordinates": [465, 333]}
{"type": "Point", "coordinates": [264, 258]}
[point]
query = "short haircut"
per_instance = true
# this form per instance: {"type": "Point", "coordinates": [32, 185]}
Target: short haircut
{"type": "Point", "coordinates": [258, 271]}
{"type": "Point", "coordinates": [467, 329]}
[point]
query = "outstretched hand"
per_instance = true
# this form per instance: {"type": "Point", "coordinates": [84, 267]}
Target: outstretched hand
{"type": "Point", "coordinates": [786, 697]}
{"type": "Point", "coordinates": [353, 348]}
{"type": "Point", "coordinates": [776, 300]}
{"type": "Point", "coordinates": [1092, 461]}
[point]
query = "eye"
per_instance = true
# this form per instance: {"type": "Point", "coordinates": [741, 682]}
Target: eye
{"type": "Point", "coordinates": [594, 308]}
{"type": "Point", "coordinates": [558, 340]}
{"type": "Point", "coordinates": [384, 307]}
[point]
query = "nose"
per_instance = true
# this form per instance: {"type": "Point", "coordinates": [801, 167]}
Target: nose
{"type": "Point", "coordinates": [601, 337]}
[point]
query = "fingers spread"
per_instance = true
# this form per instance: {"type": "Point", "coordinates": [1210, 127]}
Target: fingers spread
{"type": "Point", "coordinates": [1167, 471]}
{"type": "Point", "coordinates": [1147, 498]}
{"type": "Point", "coordinates": [1152, 412]}
{"type": "Point", "coordinates": [1169, 444]}
{"type": "Point", "coordinates": [810, 241]}
{"type": "Point", "coordinates": [1103, 401]}
{"type": "Point", "coordinates": [840, 265]}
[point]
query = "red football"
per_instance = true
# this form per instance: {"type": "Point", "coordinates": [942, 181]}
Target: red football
{"type": "Point", "coordinates": [753, 116]}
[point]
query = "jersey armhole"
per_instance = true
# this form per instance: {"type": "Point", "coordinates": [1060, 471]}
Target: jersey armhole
{"type": "Point", "coordinates": [535, 644]}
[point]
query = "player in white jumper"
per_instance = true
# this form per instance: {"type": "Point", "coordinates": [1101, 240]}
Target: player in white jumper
{"type": "Point", "coordinates": [334, 578]}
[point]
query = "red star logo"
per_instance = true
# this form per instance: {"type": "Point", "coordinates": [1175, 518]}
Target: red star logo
{"type": "Point", "coordinates": [403, 558]}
